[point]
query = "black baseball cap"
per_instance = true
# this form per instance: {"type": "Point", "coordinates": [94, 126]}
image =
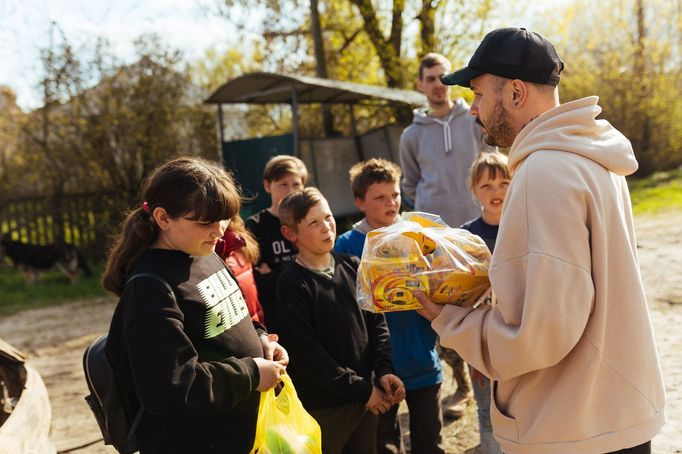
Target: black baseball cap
{"type": "Point", "coordinates": [513, 53]}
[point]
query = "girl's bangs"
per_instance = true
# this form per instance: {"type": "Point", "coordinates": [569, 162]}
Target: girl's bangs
{"type": "Point", "coordinates": [216, 203]}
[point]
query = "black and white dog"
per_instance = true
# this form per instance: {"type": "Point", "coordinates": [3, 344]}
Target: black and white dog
{"type": "Point", "coordinates": [31, 258]}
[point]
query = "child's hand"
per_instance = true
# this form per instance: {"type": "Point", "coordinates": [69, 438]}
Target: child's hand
{"type": "Point", "coordinates": [431, 310]}
{"type": "Point", "coordinates": [263, 268]}
{"type": "Point", "coordinates": [393, 387]}
{"type": "Point", "coordinates": [273, 351]}
{"type": "Point", "coordinates": [378, 402]}
{"type": "Point", "coordinates": [270, 373]}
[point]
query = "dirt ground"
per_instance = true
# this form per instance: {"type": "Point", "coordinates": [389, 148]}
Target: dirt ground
{"type": "Point", "coordinates": [55, 339]}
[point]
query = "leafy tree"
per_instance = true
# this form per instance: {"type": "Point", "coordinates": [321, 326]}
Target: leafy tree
{"type": "Point", "coordinates": [377, 42]}
{"type": "Point", "coordinates": [11, 121]}
{"type": "Point", "coordinates": [628, 53]}
{"type": "Point", "coordinates": [104, 126]}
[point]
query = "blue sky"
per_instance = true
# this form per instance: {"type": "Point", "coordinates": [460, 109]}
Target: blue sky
{"type": "Point", "coordinates": [25, 29]}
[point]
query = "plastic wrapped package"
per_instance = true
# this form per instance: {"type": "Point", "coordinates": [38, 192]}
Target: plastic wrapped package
{"type": "Point", "coordinates": [421, 253]}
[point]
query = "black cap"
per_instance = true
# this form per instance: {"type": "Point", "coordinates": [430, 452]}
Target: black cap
{"type": "Point", "coordinates": [513, 53]}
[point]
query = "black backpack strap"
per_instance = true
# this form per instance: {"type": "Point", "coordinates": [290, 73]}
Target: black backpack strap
{"type": "Point", "coordinates": [162, 281]}
{"type": "Point", "coordinates": [153, 276]}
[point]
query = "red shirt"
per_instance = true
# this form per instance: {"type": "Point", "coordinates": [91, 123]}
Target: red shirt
{"type": "Point", "coordinates": [230, 250]}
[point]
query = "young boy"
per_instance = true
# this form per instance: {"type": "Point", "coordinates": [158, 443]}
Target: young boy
{"type": "Point", "coordinates": [488, 181]}
{"type": "Point", "coordinates": [337, 348]}
{"type": "Point", "coordinates": [375, 185]}
{"type": "Point", "coordinates": [283, 174]}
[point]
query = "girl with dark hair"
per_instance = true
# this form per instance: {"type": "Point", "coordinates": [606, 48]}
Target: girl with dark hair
{"type": "Point", "coordinates": [192, 357]}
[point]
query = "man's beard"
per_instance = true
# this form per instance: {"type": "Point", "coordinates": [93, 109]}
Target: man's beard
{"type": "Point", "coordinates": [498, 129]}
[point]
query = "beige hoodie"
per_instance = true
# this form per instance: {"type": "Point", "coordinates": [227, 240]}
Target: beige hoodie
{"type": "Point", "coordinates": [569, 343]}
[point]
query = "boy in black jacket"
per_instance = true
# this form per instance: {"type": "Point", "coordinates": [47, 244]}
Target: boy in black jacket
{"type": "Point", "coordinates": [338, 350]}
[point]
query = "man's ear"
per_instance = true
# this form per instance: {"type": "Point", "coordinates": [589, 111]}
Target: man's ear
{"type": "Point", "coordinates": [359, 203]}
{"type": "Point", "coordinates": [288, 233]}
{"type": "Point", "coordinates": [519, 93]}
{"type": "Point", "coordinates": [161, 218]}
{"type": "Point", "coordinates": [266, 185]}
{"type": "Point", "coordinates": [418, 85]}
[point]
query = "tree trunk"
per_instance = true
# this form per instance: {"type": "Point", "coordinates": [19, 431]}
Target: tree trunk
{"type": "Point", "coordinates": [388, 52]}
{"type": "Point", "coordinates": [321, 64]}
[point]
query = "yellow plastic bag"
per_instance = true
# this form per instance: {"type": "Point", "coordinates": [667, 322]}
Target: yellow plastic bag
{"type": "Point", "coordinates": [421, 253]}
{"type": "Point", "coordinates": [284, 426]}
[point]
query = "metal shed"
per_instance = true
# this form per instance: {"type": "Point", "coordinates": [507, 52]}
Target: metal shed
{"type": "Point", "coordinates": [328, 159]}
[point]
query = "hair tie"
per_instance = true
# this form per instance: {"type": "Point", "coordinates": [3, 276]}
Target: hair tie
{"type": "Point", "coordinates": [145, 207]}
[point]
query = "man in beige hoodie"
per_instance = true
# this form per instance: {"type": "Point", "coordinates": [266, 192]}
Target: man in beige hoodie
{"type": "Point", "coordinates": [568, 342]}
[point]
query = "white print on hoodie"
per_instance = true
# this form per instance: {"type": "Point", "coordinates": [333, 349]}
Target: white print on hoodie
{"type": "Point", "coordinates": [569, 343]}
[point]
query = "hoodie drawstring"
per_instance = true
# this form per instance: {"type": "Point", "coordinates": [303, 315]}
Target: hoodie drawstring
{"type": "Point", "coordinates": [447, 138]}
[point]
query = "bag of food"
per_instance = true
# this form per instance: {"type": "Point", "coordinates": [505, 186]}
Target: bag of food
{"type": "Point", "coordinates": [284, 426]}
{"type": "Point", "coordinates": [421, 252]}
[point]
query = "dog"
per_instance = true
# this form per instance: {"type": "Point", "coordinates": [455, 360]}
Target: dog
{"type": "Point", "coordinates": [31, 258]}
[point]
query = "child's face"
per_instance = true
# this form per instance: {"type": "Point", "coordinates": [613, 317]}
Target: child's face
{"type": "Point", "coordinates": [316, 232]}
{"type": "Point", "coordinates": [381, 203]}
{"type": "Point", "coordinates": [278, 189]}
{"type": "Point", "coordinates": [197, 238]}
{"type": "Point", "coordinates": [491, 192]}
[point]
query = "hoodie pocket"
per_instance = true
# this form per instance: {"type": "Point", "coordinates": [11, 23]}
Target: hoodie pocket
{"type": "Point", "coordinates": [504, 426]}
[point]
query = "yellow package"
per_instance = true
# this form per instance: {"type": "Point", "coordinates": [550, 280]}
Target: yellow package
{"type": "Point", "coordinates": [462, 289]}
{"type": "Point", "coordinates": [421, 253]}
{"type": "Point", "coordinates": [392, 281]}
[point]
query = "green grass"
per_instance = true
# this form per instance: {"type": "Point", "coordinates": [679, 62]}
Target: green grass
{"type": "Point", "coordinates": [53, 288]}
{"type": "Point", "coordinates": [658, 193]}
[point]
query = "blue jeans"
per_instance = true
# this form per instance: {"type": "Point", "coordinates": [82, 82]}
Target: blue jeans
{"type": "Point", "coordinates": [482, 396]}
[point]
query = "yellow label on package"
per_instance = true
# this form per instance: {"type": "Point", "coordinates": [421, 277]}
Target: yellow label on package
{"type": "Point", "coordinates": [426, 244]}
{"type": "Point", "coordinates": [461, 289]}
{"type": "Point", "coordinates": [393, 281]}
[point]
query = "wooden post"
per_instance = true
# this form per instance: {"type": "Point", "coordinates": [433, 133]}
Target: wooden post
{"type": "Point", "coordinates": [294, 121]}
{"type": "Point", "coordinates": [221, 134]}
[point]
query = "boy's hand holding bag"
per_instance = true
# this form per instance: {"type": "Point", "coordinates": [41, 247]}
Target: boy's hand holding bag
{"type": "Point", "coordinates": [284, 426]}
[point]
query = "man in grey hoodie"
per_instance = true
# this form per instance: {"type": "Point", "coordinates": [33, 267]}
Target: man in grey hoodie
{"type": "Point", "coordinates": [436, 153]}
{"type": "Point", "coordinates": [438, 148]}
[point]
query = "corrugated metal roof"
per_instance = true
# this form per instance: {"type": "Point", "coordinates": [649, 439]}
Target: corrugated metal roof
{"type": "Point", "coordinates": [272, 88]}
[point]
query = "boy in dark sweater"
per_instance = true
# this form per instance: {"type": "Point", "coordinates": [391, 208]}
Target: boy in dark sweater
{"type": "Point", "coordinates": [339, 351]}
{"type": "Point", "coordinates": [283, 174]}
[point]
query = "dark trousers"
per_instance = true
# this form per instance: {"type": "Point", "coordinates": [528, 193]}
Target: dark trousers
{"type": "Point", "coordinates": [349, 429]}
{"type": "Point", "coordinates": [426, 422]}
{"type": "Point", "coordinates": [641, 449]}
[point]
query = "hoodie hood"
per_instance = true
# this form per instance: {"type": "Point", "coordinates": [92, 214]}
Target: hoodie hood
{"type": "Point", "coordinates": [421, 114]}
{"type": "Point", "coordinates": [422, 117]}
{"type": "Point", "coordinates": [362, 226]}
{"type": "Point", "coordinates": [573, 127]}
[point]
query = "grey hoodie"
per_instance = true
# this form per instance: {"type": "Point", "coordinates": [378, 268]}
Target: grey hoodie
{"type": "Point", "coordinates": [569, 343]}
{"type": "Point", "coordinates": [435, 156]}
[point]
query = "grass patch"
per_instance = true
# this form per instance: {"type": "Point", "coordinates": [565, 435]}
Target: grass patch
{"type": "Point", "coordinates": [53, 288]}
{"type": "Point", "coordinates": [658, 193]}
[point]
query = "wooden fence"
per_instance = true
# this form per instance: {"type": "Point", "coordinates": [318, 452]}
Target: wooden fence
{"type": "Point", "coordinates": [85, 220]}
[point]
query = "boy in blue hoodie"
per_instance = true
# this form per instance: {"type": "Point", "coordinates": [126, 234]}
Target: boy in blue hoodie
{"type": "Point", "coordinates": [375, 185]}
